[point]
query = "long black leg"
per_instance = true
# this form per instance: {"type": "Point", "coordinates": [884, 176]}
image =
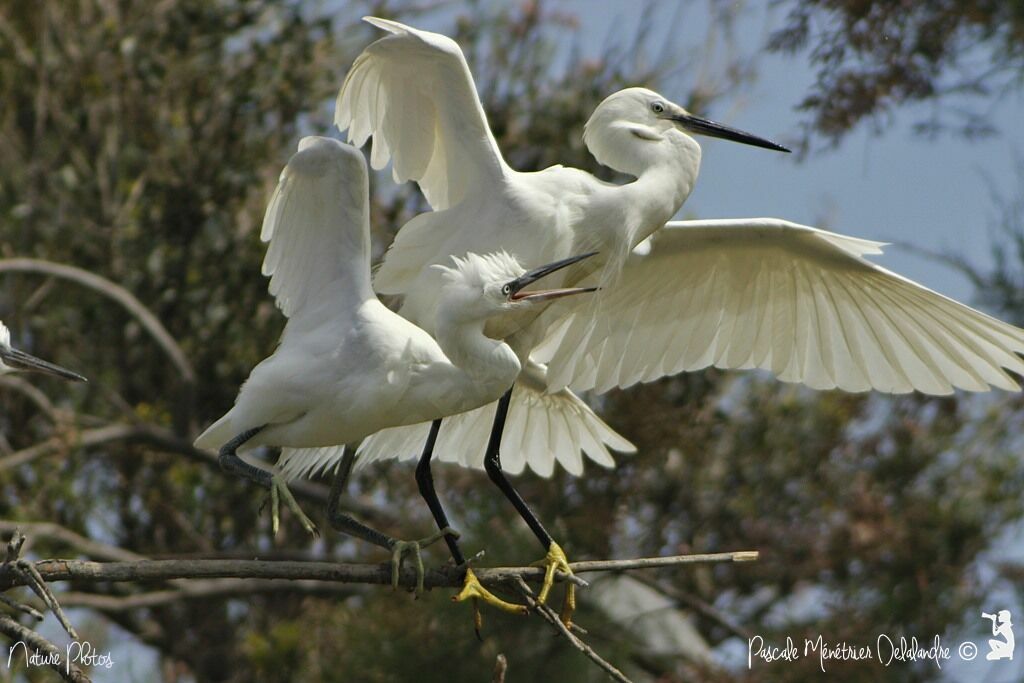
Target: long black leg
{"type": "Point", "coordinates": [230, 462]}
{"type": "Point", "coordinates": [425, 481]}
{"type": "Point", "coordinates": [344, 523]}
{"type": "Point", "coordinates": [492, 463]}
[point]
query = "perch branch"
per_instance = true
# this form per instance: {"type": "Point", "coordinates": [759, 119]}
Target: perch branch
{"type": "Point", "coordinates": [374, 574]}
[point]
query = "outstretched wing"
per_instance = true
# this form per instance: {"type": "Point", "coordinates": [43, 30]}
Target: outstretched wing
{"type": "Point", "coordinates": [318, 226]}
{"type": "Point", "coordinates": [541, 428]}
{"type": "Point", "coordinates": [413, 92]}
{"type": "Point", "coordinates": [798, 301]}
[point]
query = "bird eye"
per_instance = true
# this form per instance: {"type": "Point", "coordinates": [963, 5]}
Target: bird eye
{"type": "Point", "coordinates": [506, 290]}
{"type": "Point", "coordinates": [658, 108]}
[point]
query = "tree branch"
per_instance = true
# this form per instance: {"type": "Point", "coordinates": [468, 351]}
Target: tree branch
{"type": "Point", "coordinates": [54, 657]}
{"type": "Point", "coordinates": [374, 574]}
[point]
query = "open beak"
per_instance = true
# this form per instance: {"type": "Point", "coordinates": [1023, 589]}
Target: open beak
{"type": "Point", "coordinates": [700, 126]}
{"type": "Point", "coordinates": [516, 286]}
{"type": "Point", "coordinates": [19, 360]}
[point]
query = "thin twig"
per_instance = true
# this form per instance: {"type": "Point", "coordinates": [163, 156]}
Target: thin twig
{"type": "Point", "coordinates": [53, 656]}
{"type": "Point", "coordinates": [552, 618]}
{"type": "Point", "coordinates": [27, 575]}
{"type": "Point", "coordinates": [19, 607]}
{"type": "Point", "coordinates": [30, 575]}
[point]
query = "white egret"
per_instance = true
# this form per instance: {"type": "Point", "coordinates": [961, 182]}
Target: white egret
{"type": "Point", "coordinates": [346, 365]}
{"type": "Point", "coordinates": [13, 360]}
{"type": "Point", "coordinates": [413, 92]}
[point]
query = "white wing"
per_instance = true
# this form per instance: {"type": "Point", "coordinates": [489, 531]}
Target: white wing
{"type": "Point", "coordinates": [413, 92]}
{"type": "Point", "coordinates": [318, 226]}
{"type": "Point", "coordinates": [540, 429]}
{"type": "Point", "coordinates": [798, 301]}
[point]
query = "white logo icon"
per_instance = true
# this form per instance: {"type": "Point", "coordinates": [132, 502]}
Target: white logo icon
{"type": "Point", "coordinates": [1001, 628]}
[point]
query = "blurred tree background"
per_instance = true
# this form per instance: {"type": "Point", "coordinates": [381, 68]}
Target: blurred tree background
{"type": "Point", "coordinates": [140, 141]}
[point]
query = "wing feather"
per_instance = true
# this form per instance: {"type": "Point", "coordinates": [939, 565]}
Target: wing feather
{"type": "Point", "coordinates": [800, 302]}
{"type": "Point", "coordinates": [318, 227]}
{"type": "Point", "coordinates": [412, 91]}
{"type": "Point", "coordinates": [541, 429]}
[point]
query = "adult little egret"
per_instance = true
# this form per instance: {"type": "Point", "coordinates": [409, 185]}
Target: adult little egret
{"type": "Point", "coordinates": [413, 92]}
{"type": "Point", "coordinates": [346, 365]}
{"type": "Point", "coordinates": [13, 360]}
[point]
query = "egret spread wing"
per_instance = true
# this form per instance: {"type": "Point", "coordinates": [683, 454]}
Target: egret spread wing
{"type": "Point", "coordinates": [413, 92]}
{"type": "Point", "coordinates": [798, 301]}
{"type": "Point", "coordinates": [541, 428]}
{"type": "Point", "coordinates": [317, 224]}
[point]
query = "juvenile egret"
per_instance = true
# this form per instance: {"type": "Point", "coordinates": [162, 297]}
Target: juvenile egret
{"type": "Point", "coordinates": [347, 366]}
{"type": "Point", "coordinates": [13, 360]}
{"type": "Point", "coordinates": [413, 92]}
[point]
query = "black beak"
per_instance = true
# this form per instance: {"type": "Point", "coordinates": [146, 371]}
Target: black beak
{"type": "Point", "coordinates": [699, 126]}
{"type": "Point", "coordinates": [19, 360]}
{"type": "Point", "coordinates": [513, 288]}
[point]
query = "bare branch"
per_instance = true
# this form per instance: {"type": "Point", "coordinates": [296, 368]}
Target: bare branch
{"type": "Point", "coordinates": [375, 574]}
{"type": "Point", "coordinates": [27, 575]}
{"type": "Point", "coordinates": [54, 657]}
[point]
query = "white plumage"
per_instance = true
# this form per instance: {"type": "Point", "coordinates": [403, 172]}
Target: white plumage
{"type": "Point", "coordinates": [545, 428]}
{"type": "Point", "coordinates": [347, 366]}
{"type": "Point", "coordinates": [413, 92]}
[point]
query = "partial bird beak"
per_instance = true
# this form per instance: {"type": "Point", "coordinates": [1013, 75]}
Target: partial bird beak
{"type": "Point", "coordinates": [19, 360]}
{"type": "Point", "coordinates": [699, 126]}
{"type": "Point", "coordinates": [515, 286]}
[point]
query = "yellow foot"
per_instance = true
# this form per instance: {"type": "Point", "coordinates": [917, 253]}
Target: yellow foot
{"type": "Point", "coordinates": [279, 490]}
{"type": "Point", "coordinates": [473, 589]}
{"type": "Point", "coordinates": [554, 561]}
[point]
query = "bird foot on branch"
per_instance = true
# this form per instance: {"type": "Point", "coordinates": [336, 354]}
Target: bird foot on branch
{"type": "Point", "coordinates": [400, 549]}
{"type": "Point", "coordinates": [473, 590]}
{"type": "Point", "coordinates": [554, 561]}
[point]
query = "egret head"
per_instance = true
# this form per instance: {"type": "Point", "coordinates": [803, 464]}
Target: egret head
{"type": "Point", "coordinates": [477, 287]}
{"type": "Point", "coordinates": [13, 360]}
{"type": "Point", "coordinates": [622, 129]}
